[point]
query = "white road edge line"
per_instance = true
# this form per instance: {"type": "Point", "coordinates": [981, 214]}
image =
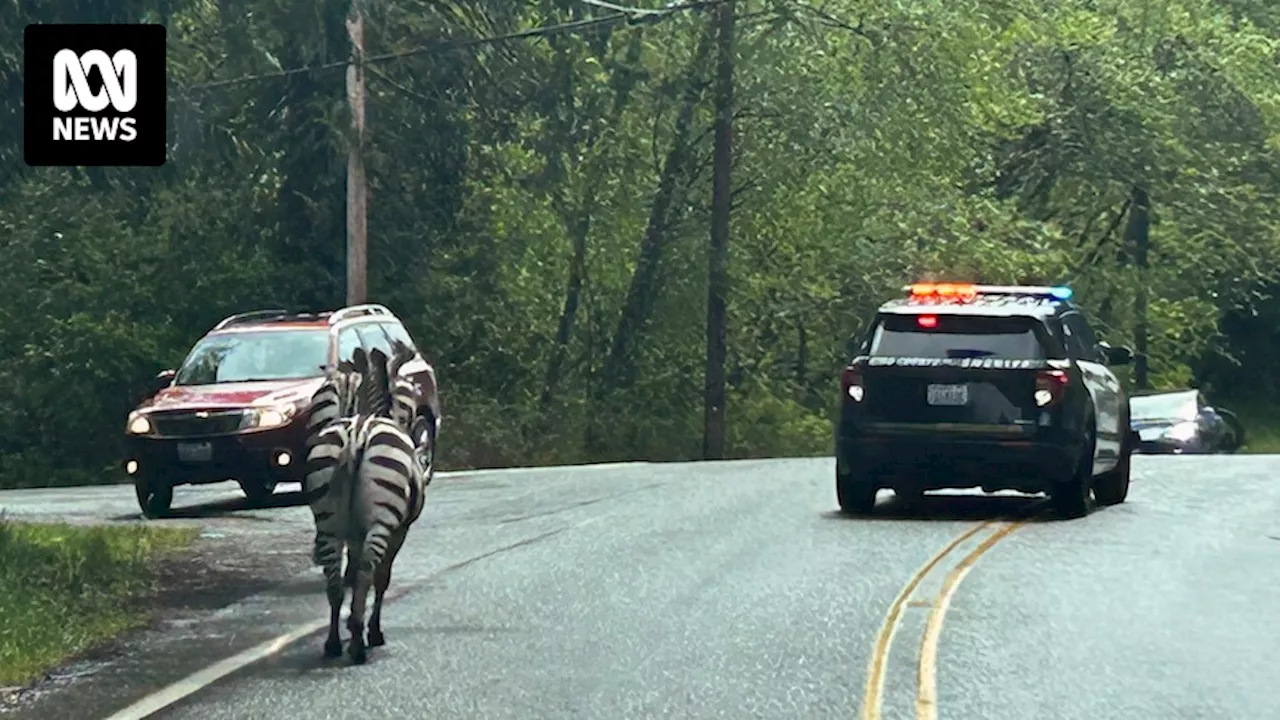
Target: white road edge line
{"type": "Point", "coordinates": [201, 679]}
{"type": "Point", "coordinates": [540, 468]}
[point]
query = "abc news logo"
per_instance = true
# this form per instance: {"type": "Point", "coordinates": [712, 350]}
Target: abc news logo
{"type": "Point", "coordinates": [95, 95]}
{"type": "Point", "coordinates": [71, 91]}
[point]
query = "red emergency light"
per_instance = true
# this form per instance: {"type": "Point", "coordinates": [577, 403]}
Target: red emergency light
{"type": "Point", "coordinates": [963, 292]}
{"type": "Point", "coordinates": [927, 322]}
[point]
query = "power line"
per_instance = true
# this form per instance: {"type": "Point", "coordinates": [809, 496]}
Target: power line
{"type": "Point", "coordinates": [622, 14]}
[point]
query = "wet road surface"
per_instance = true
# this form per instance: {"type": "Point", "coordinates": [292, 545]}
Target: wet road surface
{"type": "Point", "coordinates": [733, 590]}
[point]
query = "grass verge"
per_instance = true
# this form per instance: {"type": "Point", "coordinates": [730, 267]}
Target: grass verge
{"type": "Point", "coordinates": [66, 589]}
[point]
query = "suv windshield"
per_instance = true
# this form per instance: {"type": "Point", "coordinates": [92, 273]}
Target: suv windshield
{"type": "Point", "coordinates": [250, 356]}
{"type": "Point", "coordinates": [1170, 406]}
{"type": "Point", "coordinates": [955, 336]}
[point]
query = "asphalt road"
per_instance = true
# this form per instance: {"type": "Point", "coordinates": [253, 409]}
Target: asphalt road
{"type": "Point", "coordinates": [733, 590]}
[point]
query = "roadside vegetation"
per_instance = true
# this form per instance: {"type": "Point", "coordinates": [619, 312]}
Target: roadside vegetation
{"type": "Point", "coordinates": [539, 208]}
{"type": "Point", "coordinates": [65, 590]}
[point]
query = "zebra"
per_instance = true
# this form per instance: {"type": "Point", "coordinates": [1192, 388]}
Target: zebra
{"type": "Point", "coordinates": [337, 399]}
{"type": "Point", "coordinates": [372, 493]}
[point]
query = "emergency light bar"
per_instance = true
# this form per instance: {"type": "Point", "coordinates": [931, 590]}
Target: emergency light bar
{"type": "Point", "coordinates": [968, 291]}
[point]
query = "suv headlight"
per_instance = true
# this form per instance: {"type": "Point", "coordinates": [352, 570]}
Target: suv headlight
{"type": "Point", "coordinates": [266, 418]}
{"type": "Point", "coordinates": [1181, 432]}
{"type": "Point", "coordinates": [138, 424]}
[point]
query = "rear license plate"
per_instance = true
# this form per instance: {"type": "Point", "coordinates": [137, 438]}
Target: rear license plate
{"type": "Point", "coordinates": [948, 395]}
{"type": "Point", "coordinates": [195, 452]}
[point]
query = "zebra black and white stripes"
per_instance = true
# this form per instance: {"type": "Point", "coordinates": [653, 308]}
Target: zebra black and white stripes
{"type": "Point", "coordinates": [365, 490]}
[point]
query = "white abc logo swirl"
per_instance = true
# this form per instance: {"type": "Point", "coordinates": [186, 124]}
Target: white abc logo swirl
{"type": "Point", "coordinates": [119, 81]}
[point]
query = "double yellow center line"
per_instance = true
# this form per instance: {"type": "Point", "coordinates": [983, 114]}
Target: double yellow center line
{"type": "Point", "coordinates": [927, 663]}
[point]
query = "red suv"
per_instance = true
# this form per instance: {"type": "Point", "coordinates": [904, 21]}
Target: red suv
{"type": "Point", "coordinates": [237, 407]}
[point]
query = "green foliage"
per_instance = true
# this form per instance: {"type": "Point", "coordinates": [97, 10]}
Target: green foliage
{"type": "Point", "coordinates": [518, 191]}
{"type": "Point", "coordinates": [65, 589]}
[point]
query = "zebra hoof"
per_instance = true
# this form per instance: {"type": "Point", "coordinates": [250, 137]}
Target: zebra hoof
{"type": "Point", "coordinates": [333, 648]}
{"type": "Point", "coordinates": [358, 653]}
{"type": "Point", "coordinates": [376, 639]}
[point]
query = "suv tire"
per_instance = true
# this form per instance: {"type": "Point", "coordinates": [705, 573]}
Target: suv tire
{"type": "Point", "coordinates": [1074, 498]}
{"type": "Point", "coordinates": [855, 493]}
{"type": "Point", "coordinates": [1112, 486]}
{"type": "Point", "coordinates": [154, 500]}
{"type": "Point", "coordinates": [424, 435]}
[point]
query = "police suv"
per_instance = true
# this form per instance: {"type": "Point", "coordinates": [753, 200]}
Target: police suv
{"type": "Point", "coordinates": [998, 387]}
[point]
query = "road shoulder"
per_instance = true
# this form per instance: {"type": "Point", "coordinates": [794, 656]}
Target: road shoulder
{"type": "Point", "coordinates": [212, 600]}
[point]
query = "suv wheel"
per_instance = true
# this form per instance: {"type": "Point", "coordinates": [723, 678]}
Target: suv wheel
{"type": "Point", "coordinates": [855, 492]}
{"type": "Point", "coordinates": [154, 500]}
{"type": "Point", "coordinates": [258, 490]}
{"type": "Point", "coordinates": [1074, 498]}
{"type": "Point", "coordinates": [1112, 486]}
{"type": "Point", "coordinates": [424, 437]}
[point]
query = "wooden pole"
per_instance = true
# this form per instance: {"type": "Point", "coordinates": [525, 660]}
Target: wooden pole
{"type": "Point", "coordinates": [357, 191]}
{"type": "Point", "coordinates": [713, 438]}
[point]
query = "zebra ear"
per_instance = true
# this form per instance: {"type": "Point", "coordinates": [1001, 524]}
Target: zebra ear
{"type": "Point", "coordinates": [360, 361]}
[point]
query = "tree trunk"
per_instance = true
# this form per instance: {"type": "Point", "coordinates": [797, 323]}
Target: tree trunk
{"type": "Point", "coordinates": [619, 365]}
{"type": "Point", "coordinates": [713, 434]}
{"type": "Point", "coordinates": [1137, 235]}
{"type": "Point", "coordinates": [578, 225]}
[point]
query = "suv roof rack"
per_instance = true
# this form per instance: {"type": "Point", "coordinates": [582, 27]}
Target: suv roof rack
{"type": "Point", "coordinates": [347, 313]}
{"type": "Point", "coordinates": [251, 316]}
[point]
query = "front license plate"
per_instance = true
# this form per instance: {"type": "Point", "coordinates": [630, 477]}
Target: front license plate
{"type": "Point", "coordinates": [195, 452]}
{"type": "Point", "coordinates": [948, 395]}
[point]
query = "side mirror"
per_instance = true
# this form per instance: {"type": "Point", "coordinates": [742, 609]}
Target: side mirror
{"type": "Point", "coordinates": [163, 380]}
{"type": "Point", "coordinates": [147, 390]}
{"type": "Point", "coordinates": [1116, 355]}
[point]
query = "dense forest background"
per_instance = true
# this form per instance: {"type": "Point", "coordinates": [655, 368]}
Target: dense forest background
{"type": "Point", "coordinates": [539, 206]}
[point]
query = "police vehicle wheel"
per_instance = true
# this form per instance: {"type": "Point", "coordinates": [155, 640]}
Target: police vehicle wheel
{"type": "Point", "coordinates": [1074, 498]}
{"type": "Point", "coordinates": [855, 494]}
{"type": "Point", "coordinates": [1112, 487]}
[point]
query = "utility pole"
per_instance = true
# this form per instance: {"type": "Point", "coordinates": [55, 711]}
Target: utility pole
{"type": "Point", "coordinates": [713, 438]}
{"type": "Point", "coordinates": [357, 191]}
{"type": "Point", "coordinates": [1140, 229]}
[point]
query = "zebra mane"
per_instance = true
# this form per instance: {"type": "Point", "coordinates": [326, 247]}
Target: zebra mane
{"type": "Point", "coordinates": [401, 354]}
{"type": "Point", "coordinates": [346, 380]}
{"type": "Point", "coordinates": [375, 384]}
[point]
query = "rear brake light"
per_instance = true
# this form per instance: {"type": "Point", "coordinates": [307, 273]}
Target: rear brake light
{"type": "Point", "coordinates": [927, 321]}
{"type": "Point", "coordinates": [851, 384]}
{"type": "Point", "coordinates": [1050, 386]}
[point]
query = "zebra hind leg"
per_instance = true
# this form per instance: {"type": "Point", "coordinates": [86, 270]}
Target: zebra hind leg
{"type": "Point", "coordinates": [336, 593]}
{"type": "Point", "coordinates": [381, 581]}
{"type": "Point", "coordinates": [355, 619]}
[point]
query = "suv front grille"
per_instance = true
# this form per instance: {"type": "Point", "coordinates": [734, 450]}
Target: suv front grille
{"type": "Point", "coordinates": [193, 423]}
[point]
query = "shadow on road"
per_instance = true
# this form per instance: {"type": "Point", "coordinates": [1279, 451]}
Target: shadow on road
{"type": "Point", "coordinates": [305, 657]}
{"type": "Point", "coordinates": [953, 508]}
{"type": "Point", "coordinates": [228, 506]}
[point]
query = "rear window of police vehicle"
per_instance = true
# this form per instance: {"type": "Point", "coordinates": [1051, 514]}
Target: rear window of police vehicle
{"type": "Point", "coordinates": [953, 336]}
